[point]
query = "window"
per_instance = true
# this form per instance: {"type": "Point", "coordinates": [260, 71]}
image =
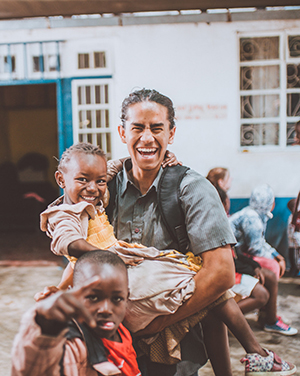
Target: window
{"type": "Point", "coordinates": [92, 60]}
{"type": "Point", "coordinates": [9, 64]}
{"type": "Point", "coordinates": [46, 63]}
{"type": "Point", "coordinates": [92, 112]}
{"type": "Point", "coordinates": [269, 90]}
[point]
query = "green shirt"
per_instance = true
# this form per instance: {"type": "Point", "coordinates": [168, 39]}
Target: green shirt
{"type": "Point", "coordinates": [137, 219]}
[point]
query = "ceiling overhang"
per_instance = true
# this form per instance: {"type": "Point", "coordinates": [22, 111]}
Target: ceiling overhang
{"type": "Point", "coordinates": [12, 9]}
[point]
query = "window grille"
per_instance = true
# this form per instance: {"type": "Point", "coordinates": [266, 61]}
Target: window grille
{"type": "Point", "coordinates": [91, 60]}
{"type": "Point", "coordinates": [92, 112]}
{"type": "Point", "coordinates": [269, 90]}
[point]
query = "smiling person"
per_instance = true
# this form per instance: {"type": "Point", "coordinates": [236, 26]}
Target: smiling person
{"type": "Point", "coordinates": [148, 127]}
{"type": "Point", "coordinates": [49, 344]}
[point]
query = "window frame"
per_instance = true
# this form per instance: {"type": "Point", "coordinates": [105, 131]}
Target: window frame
{"type": "Point", "coordinates": [76, 107]}
{"type": "Point", "coordinates": [281, 91]}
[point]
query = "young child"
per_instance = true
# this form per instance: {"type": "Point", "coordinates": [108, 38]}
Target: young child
{"type": "Point", "coordinates": [159, 281]}
{"type": "Point", "coordinates": [49, 344]}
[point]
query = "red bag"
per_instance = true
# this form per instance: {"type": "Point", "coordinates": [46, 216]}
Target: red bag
{"type": "Point", "coordinates": [296, 214]}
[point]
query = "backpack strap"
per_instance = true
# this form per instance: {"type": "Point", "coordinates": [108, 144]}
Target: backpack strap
{"type": "Point", "coordinates": [168, 193]}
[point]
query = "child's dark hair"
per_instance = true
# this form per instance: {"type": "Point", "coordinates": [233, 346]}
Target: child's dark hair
{"type": "Point", "coordinates": [97, 257]}
{"type": "Point", "coordinates": [150, 95]}
{"type": "Point", "coordinates": [291, 204]}
{"type": "Point", "coordinates": [81, 147]}
{"type": "Point", "coordinates": [222, 194]}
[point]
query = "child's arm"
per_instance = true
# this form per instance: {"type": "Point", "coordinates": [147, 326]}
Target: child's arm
{"type": "Point", "coordinates": [39, 345]}
{"type": "Point", "coordinates": [116, 165]}
{"type": "Point", "coordinates": [78, 247]}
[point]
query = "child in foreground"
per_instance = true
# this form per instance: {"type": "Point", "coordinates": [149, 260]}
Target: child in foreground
{"type": "Point", "coordinates": [49, 344]}
{"type": "Point", "coordinates": [77, 224]}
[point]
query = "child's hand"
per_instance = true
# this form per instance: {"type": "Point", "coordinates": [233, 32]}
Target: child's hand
{"type": "Point", "coordinates": [259, 275]}
{"type": "Point", "coordinates": [54, 312]}
{"type": "Point", "coordinates": [49, 290]}
{"type": "Point", "coordinates": [170, 160]}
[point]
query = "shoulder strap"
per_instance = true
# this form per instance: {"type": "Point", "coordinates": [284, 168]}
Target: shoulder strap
{"type": "Point", "coordinates": [169, 205]}
{"type": "Point", "coordinates": [112, 187]}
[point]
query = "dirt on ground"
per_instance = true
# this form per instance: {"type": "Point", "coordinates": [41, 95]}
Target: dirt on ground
{"type": "Point", "coordinates": [27, 266]}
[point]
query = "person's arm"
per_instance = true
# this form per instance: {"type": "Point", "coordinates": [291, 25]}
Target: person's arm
{"type": "Point", "coordinates": [116, 165]}
{"type": "Point", "coordinates": [257, 244]}
{"type": "Point", "coordinates": [39, 345]}
{"type": "Point", "coordinates": [79, 247]}
{"type": "Point", "coordinates": [215, 277]}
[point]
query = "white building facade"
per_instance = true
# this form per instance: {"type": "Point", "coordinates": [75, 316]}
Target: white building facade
{"type": "Point", "coordinates": [235, 85]}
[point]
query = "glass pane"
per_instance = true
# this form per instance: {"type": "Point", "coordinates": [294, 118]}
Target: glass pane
{"type": "Point", "coordinates": [38, 63]}
{"type": "Point", "coordinates": [85, 119]}
{"type": "Point", "coordinates": [88, 95]}
{"type": "Point", "coordinates": [83, 61]}
{"type": "Point", "coordinates": [259, 134]}
{"type": "Point", "coordinates": [97, 94]}
{"type": "Point", "coordinates": [108, 143]}
{"type": "Point", "coordinates": [9, 64]}
{"type": "Point", "coordinates": [293, 104]}
{"type": "Point", "coordinates": [89, 119]}
{"type": "Point", "coordinates": [294, 45]}
{"type": "Point", "coordinates": [291, 134]}
{"type": "Point", "coordinates": [52, 63]}
{"type": "Point", "coordinates": [79, 95]}
{"type": "Point", "coordinates": [256, 106]}
{"type": "Point", "coordinates": [106, 93]}
{"type": "Point", "coordinates": [99, 60]}
{"type": "Point", "coordinates": [293, 75]}
{"type": "Point", "coordinates": [259, 48]}
{"type": "Point", "coordinates": [98, 118]}
{"type": "Point", "coordinates": [107, 118]}
{"type": "Point", "coordinates": [257, 78]}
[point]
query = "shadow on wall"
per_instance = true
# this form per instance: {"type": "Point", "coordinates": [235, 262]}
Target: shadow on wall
{"type": "Point", "coordinates": [276, 233]}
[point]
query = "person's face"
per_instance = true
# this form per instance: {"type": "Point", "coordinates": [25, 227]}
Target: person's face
{"type": "Point", "coordinates": [108, 300]}
{"type": "Point", "coordinates": [83, 178]}
{"type": "Point", "coordinates": [225, 183]}
{"type": "Point", "coordinates": [147, 134]}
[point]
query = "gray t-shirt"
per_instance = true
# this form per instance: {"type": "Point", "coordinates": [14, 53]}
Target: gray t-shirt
{"type": "Point", "coordinates": [137, 219]}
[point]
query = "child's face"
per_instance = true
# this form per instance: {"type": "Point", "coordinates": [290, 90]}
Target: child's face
{"type": "Point", "coordinates": [83, 178]}
{"type": "Point", "coordinates": [108, 301]}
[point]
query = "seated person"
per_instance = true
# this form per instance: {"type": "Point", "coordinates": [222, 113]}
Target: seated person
{"type": "Point", "coordinates": [249, 227]}
{"type": "Point", "coordinates": [257, 288]}
{"type": "Point", "coordinates": [48, 343]}
{"type": "Point", "coordinates": [159, 281]}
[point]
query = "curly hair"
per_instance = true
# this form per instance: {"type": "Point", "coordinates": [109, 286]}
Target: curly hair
{"type": "Point", "coordinates": [150, 95]}
{"type": "Point", "coordinates": [81, 147]}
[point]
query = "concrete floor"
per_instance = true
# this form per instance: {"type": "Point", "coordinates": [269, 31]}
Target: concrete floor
{"type": "Point", "coordinates": [27, 266]}
{"type": "Point", "coordinates": [19, 284]}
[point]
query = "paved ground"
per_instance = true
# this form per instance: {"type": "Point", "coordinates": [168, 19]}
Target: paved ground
{"type": "Point", "coordinates": [37, 267]}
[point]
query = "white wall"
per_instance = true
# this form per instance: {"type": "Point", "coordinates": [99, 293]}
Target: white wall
{"type": "Point", "coordinates": [197, 66]}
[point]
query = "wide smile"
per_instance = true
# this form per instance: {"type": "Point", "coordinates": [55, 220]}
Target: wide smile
{"type": "Point", "coordinates": [90, 199]}
{"type": "Point", "coordinates": [147, 152]}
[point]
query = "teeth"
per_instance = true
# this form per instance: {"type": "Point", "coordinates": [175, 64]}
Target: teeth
{"type": "Point", "coordinates": [89, 198]}
{"type": "Point", "coordinates": [147, 150]}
